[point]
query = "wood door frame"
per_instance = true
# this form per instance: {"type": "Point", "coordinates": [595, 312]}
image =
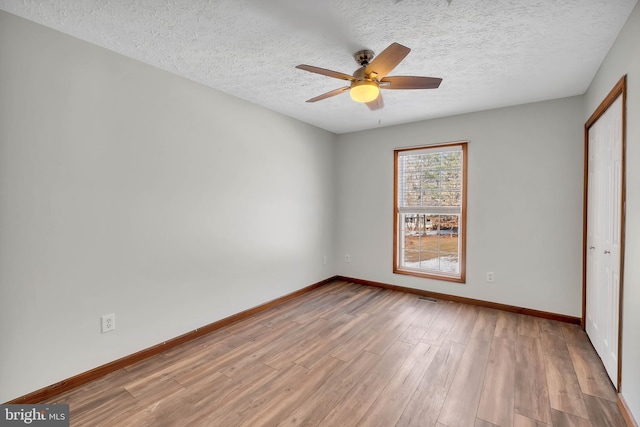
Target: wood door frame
{"type": "Point", "coordinates": [620, 89]}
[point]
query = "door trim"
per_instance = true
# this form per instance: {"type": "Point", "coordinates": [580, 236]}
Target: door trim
{"type": "Point", "coordinates": [620, 89]}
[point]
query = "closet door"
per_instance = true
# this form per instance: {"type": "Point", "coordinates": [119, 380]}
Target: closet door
{"type": "Point", "coordinates": [604, 216]}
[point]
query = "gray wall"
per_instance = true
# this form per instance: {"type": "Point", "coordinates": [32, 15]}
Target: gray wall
{"type": "Point", "coordinates": [624, 58]}
{"type": "Point", "coordinates": [524, 201]}
{"type": "Point", "coordinates": [125, 189]}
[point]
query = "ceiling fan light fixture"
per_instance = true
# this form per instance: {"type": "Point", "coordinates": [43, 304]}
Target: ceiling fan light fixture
{"type": "Point", "coordinates": [364, 91]}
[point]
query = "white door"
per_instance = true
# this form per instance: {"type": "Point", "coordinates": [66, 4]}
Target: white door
{"type": "Point", "coordinates": [604, 185]}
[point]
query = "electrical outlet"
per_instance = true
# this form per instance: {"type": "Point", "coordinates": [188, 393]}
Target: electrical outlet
{"type": "Point", "coordinates": [490, 277]}
{"type": "Point", "coordinates": [324, 260]}
{"type": "Point", "coordinates": [347, 258]}
{"type": "Point", "coordinates": [108, 322]}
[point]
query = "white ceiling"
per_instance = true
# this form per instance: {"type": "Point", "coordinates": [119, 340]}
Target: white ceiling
{"type": "Point", "coordinates": [490, 53]}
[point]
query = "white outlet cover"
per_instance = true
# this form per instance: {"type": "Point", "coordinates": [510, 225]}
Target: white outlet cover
{"type": "Point", "coordinates": [108, 322]}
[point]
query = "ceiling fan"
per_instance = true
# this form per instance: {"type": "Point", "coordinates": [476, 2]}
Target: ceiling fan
{"type": "Point", "coordinates": [367, 81]}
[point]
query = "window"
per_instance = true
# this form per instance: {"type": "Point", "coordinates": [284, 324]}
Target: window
{"type": "Point", "coordinates": [430, 217]}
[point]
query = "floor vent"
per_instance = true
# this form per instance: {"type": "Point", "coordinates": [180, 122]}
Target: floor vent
{"type": "Point", "coordinates": [428, 299]}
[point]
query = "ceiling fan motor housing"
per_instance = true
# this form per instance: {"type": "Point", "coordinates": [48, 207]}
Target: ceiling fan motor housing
{"type": "Point", "coordinates": [363, 57]}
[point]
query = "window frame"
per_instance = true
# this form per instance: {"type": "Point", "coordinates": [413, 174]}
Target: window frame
{"type": "Point", "coordinates": [462, 226]}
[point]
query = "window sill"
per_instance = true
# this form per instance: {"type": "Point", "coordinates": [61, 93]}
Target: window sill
{"type": "Point", "coordinates": [417, 273]}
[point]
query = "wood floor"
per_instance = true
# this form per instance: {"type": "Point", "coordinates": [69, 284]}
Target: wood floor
{"type": "Point", "coordinates": [346, 354]}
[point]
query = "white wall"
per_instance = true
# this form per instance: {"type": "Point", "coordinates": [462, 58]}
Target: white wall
{"type": "Point", "coordinates": [524, 203]}
{"type": "Point", "coordinates": [624, 58]}
{"type": "Point", "coordinates": [127, 189]}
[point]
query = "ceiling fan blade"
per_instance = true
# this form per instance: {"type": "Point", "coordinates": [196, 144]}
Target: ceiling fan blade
{"type": "Point", "coordinates": [329, 94]}
{"type": "Point", "coordinates": [376, 104]}
{"type": "Point", "coordinates": [387, 60]}
{"type": "Point", "coordinates": [325, 72]}
{"type": "Point", "coordinates": [410, 82]}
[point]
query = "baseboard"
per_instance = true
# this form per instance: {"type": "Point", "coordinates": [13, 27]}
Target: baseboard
{"type": "Point", "coordinates": [463, 300]}
{"type": "Point", "coordinates": [83, 378]}
{"type": "Point", "coordinates": [626, 413]}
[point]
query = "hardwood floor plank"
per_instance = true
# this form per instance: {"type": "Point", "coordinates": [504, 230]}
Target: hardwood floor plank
{"type": "Point", "coordinates": [287, 331]}
{"type": "Point", "coordinates": [350, 409]}
{"type": "Point", "coordinates": [563, 419]}
{"type": "Point", "coordinates": [528, 326]}
{"type": "Point", "coordinates": [273, 317]}
{"type": "Point", "coordinates": [412, 335]}
{"type": "Point", "coordinates": [603, 412]}
{"type": "Point", "coordinates": [349, 349]}
{"type": "Point", "coordinates": [506, 325]}
{"type": "Point", "coordinates": [531, 397]}
{"type": "Point", "coordinates": [262, 376]}
{"type": "Point", "coordinates": [102, 410]}
{"type": "Point", "coordinates": [463, 325]}
{"type": "Point", "coordinates": [278, 409]}
{"type": "Point", "coordinates": [591, 374]}
{"type": "Point", "coordinates": [482, 423]}
{"type": "Point", "coordinates": [461, 404]}
{"type": "Point", "coordinates": [390, 404]}
{"type": "Point", "coordinates": [210, 387]}
{"type": "Point", "coordinates": [550, 327]}
{"type": "Point", "coordinates": [357, 325]}
{"type": "Point", "coordinates": [248, 329]}
{"type": "Point", "coordinates": [295, 346]}
{"type": "Point", "coordinates": [92, 392]}
{"type": "Point", "coordinates": [365, 297]}
{"type": "Point", "coordinates": [564, 389]}
{"type": "Point", "coordinates": [403, 300]}
{"type": "Point", "coordinates": [381, 301]}
{"type": "Point", "coordinates": [252, 403]}
{"type": "Point", "coordinates": [348, 326]}
{"type": "Point", "coordinates": [318, 308]}
{"type": "Point", "coordinates": [354, 300]}
{"type": "Point", "coordinates": [428, 311]}
{"type": "Point", "coordinates": [485, 326]}
{"type": "Point", "coordinates": [424, 405]}
{"type": "Point", "coordinates": [390, 332]}
{"type": "Point", "coordinates": [192, 356]}
{"type": "Point", "coordinates": [315, 408]}
{"type": "Point", "coordinates": [497, 398]}
{"type": "Point", "coordinates": [574, 335]}
{"type": "Point", "coordinates": [209, 391]}
{"type": "Point", "coordinates": [153, 388]}
{"type": "Point", "coordinates": [440, 326]}
{"type": "Point", "coordinates": [171, 410]}
{"type": "Point", "coordinates": [522, 421]}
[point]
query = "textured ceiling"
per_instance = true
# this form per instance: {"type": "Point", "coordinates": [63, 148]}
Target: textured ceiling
{"type": "Point", "coordinates": [490, 53]}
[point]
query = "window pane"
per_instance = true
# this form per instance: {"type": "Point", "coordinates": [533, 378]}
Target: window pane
{"type": "Point", "coordinates": [430, 179]}
{"type": "Point", "coordinates": [431, 242]}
